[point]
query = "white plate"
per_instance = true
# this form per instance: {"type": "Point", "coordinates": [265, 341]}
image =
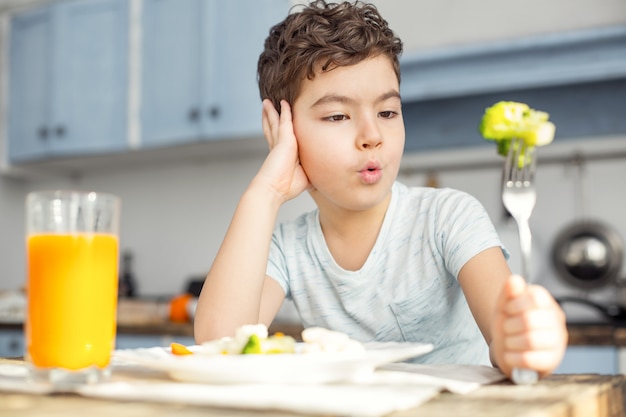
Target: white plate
{"type": "Point", "coordinates": [278, 368]}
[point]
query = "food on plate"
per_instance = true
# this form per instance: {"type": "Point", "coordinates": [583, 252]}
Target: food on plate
{"type": "Point", "coordinates": [180, 350]}
{"type": "Point", "coordinates": [508, 120]}
{"type": "Point", "coordinates": [318, 339]}
{"type": "Point", "coordinates": [249, 339]}
{"type": "Point", "coordinates": [254, 339]}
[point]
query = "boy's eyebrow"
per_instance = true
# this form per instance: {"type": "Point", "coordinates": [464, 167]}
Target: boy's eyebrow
{"type": "Point", "coordinates": [334, 98]}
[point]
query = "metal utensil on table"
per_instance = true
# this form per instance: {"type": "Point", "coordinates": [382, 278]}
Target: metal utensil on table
{"type": "Point", "coordinates": [519, 197]}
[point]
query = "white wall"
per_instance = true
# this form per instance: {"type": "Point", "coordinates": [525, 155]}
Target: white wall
{"type": "Point", "coordinates": [173, 217]}
{"type": "Point", "coordinates": [175, 214]}
{"type": "Point", "coordinates": [433, 23]}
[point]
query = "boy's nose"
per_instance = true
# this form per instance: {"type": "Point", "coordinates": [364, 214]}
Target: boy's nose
{"type": "Point", "coordinates": [370, 135]}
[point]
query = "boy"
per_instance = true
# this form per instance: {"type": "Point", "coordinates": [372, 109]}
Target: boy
{"type": "Point", "coordinates": [377, 260]}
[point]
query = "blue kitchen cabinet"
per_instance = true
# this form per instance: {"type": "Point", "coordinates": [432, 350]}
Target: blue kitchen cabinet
{"type": "Point", "coordinates": [68, 80]}
{"type": "Point", "coordinates": [135, 341]}
{"type": "Point", "coordinates": [11, 343]}
{"type": "Point", "coordinates": [199, 60]}
{"type": "Point", "coordinates": [578, 77]}
{"type": "Point", "coordinates": [590, 359]}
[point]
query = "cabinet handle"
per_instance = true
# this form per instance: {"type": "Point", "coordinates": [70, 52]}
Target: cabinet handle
{"type": "Point", "coordinates": [60, 131]}
{"type": "Point", "coordinates": [194, 115]}
{"type": "Point", "coordinates": [43, 133]}
{"type": "Point", "coordinates": [214, 112]}
{"type": "Point", "coordinates": [15, 346]}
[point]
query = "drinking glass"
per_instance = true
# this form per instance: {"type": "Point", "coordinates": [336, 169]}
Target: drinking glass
{"type": "Point", "coordinates": [72, 271]}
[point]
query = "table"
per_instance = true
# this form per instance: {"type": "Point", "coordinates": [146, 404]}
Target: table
{"type": "Point", "coordinates": [557, 396]}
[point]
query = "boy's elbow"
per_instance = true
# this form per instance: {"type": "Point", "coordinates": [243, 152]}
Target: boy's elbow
{"type": "Point", "coordinates": [207, 330]}
{"type": "Point", "coordinates": [199, 335]}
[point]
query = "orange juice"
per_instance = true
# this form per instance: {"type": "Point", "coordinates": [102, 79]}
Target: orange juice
{"type": "Point", "coordinates": [72, 300]}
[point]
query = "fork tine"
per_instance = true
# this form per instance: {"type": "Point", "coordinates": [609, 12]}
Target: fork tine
{"type": "Point", "coordinates": [512, 162]}
{"type": "Point", "coordinates": [508, 163]}
{"type": "Point", "coordinates": [532, 166]}
{"type": "Point", "coordinates": [520, 163]}
{"type": "Point", "coordinates": [529, 163]}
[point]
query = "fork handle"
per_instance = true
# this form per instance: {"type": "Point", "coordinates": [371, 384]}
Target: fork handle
{"type": "Point", "coordinates": [525, 239]}
{"type": "Point", "coordinates": [522, 376]}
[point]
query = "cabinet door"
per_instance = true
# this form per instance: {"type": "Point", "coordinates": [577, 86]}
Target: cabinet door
{"type": "Point", "coordinates": [134, 341]}
{"type": "Point", "coordinates": [232, 105]}
{"type": "Point", "coordinates": [90, 76]}
{"type": "Point", "coordinates": [68, 75]}
{"type": "Point", "coordinates": [11, 343]}
{"type": "Point", "coordinates": [199, 68]}
{"type": "Point", "coordinates": [171, 81]}
{"type": "Point", "coordinates": [589, 359]}
{"type": "Point", "coordinates": [30, 58]}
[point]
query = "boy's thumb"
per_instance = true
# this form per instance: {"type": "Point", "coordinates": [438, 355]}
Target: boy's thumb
{"type": "Point", "coordinates": [515, 285]}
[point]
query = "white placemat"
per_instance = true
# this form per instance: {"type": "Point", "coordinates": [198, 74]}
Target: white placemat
{"type": "Point", "coordinates": [397, 387]}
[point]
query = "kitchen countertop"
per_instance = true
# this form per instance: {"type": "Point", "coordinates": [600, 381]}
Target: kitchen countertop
{"type": "Point", "coordinates": [556, 396]}
{"type": "Point", "coordinates": [580, 334]}
{"type": "Point", "coordinates": [150, 317]}
{"type": "Point", "coordinates": [170, 328]}
{"type": "Point", "coordinates": [596, 334]}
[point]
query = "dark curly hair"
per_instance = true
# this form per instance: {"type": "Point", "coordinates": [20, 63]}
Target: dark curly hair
{"type": "Point", "coordinates": [322, 36]}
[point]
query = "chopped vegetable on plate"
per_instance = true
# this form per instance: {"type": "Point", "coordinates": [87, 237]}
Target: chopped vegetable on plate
{"type": "Point", "coordinates": [254, 339]}
{"type": "Point", "coordinates": [180, 350]}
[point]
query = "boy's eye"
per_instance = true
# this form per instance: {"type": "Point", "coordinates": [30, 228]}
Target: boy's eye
{"type": "Point", "coordinates": [387, 114]}
{"type": "Point", "coordinates": [336, 118]}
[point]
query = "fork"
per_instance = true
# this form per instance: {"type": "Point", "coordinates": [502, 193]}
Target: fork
{"type": "Point", "coordinates": [519, 198]}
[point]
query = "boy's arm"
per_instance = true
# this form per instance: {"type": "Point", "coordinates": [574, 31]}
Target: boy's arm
{"type": "Point", "coordinates": [523, 325]}
{"type": "Point", "coordinates": [235, 285]}
{"type": "Point", "coordinates": [236, 290]}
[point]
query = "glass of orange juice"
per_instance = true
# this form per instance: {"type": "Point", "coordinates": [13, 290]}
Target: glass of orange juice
{"type": "Point", "coordinates": [72, 269]}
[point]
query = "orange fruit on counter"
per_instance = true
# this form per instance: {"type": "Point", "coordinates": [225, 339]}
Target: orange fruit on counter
{"type": "Point", "coordinates": [178, 308]}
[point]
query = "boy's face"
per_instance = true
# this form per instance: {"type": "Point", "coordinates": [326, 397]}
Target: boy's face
{"type": "Point", "coordinates": [350, 132]}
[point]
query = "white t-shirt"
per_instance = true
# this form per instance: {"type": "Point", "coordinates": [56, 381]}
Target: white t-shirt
{"type": "Point", "coordinates": [407, 288]}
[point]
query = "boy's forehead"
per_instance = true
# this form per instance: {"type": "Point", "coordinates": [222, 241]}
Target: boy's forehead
{"type": "Point", "coordinates": [375, 73]}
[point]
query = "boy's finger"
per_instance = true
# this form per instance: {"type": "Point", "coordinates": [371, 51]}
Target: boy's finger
{"type": "Point", "coordinates": [513, 287]}
{"type": "Point", "coordinates": [285, 126]}
{"type": "Point", "coordinates": [531, 320]}
{"type": "Point", "coordinates": [544, 339]}
{"type": "Point", "coordinates": [540, 360]}
{"type": "Point", "coordinates": [534, 297]}
{"type": "Point", "coordinates": [270, 122]}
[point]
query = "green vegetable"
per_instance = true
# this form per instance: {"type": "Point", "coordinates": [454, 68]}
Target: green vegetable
{"type": "Point", "coordinates": [253, 345]}
{"type": "Point", "coordinates": [279, 343]}
{"type": "Point", "coordinates": [508, 120]}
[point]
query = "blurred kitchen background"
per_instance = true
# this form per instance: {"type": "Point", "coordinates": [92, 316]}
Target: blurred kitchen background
{"type": "Point", "coordinates": [156, 101]}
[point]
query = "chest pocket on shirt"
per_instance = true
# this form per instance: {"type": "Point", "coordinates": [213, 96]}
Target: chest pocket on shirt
{"type": "Point", "coordinates": [416, 321]}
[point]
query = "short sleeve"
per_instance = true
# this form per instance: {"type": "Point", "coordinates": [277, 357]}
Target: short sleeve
{"type": "Point", "coordinates": [465, 229]}
{"type": "Point", "coordinates": [277, 264]}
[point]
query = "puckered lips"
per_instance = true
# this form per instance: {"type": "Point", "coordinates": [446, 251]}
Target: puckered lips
{"type": "Point", "coordinates": [371, 173]}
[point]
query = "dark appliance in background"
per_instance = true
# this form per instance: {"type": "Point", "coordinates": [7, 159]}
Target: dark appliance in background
{"type": "Point", "coordinates": [127, 285]}
{"type": "Point", "coordinates": [588, 255]}
{"type": "Point", "coordinates": [194, 286]}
